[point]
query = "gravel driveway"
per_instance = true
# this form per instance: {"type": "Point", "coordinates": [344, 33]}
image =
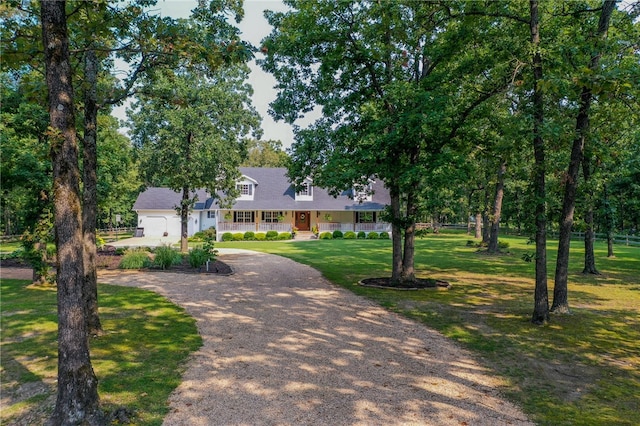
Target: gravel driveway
{"type": "Point", "coordinates": [283, 346]}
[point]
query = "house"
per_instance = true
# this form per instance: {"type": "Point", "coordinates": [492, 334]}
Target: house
{"type": "Point", "coordinates": [267, 201]}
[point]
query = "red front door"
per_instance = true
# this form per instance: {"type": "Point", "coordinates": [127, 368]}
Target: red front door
{"type": "Point", "coordinates": [303, 221]}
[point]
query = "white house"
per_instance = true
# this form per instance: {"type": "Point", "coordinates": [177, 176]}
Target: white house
{"type": "Point", "coordinates": [267, 201]}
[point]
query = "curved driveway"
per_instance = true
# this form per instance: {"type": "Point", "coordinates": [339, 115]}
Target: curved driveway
{"type": "Point", "coordinates": [283, 346]}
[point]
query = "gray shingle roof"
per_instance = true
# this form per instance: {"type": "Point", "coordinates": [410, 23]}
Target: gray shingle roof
{"type": "Point", "coordinates": [273, 192]}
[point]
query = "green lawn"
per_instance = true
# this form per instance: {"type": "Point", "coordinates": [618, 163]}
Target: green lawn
{"type": "Point", "coordinates": [580, 369]}
{"type": "Point", "coordinates": [138, 362]}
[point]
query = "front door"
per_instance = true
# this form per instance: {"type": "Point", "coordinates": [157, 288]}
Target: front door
{"type": "Point", "coordinates": [303, 221]}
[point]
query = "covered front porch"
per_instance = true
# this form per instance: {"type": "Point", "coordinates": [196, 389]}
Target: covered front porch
{"type": "Point", "coordinates": [300, 221]}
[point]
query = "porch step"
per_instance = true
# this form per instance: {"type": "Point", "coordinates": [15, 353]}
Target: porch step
{"type": "Point", "coordinates": [305, 235]}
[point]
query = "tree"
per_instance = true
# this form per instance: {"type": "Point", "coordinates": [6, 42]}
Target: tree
{"type": "Point", "coordinates": [190, 127]}
{"type": "Point", "coordinates": [560, 293]}
{"type": "Point", "coordinates": [267, 153]}
{"type": "Point", "coordinates": [395, 82]}
{"type": "Point", "coordinates": [77, 398]}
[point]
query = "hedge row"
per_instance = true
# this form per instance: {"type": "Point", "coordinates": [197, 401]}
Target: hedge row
{"type": "Point", "coordinates": [350, 235]}
{"type": "Point", "coordinates": [256, 236]}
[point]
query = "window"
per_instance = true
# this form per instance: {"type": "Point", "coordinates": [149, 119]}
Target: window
{"type": "Point", "coordinates": [366, 217]}
{"type": "Point", "coordinates": [245, 189]}
{"type": "Point", "coordinates": [306, 189]}
{"type": "Point", "coordinates": [243, 217]}
{"type": "Point", "coordinates": [271, 217]}
{"type": "Point", "coordinates": [211, 214]}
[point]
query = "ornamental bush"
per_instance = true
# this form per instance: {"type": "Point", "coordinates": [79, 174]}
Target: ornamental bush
{"type": "Point", "coordinates": [198, 257]}
{"type": "Point", "coordinates": [135, 259]}
{"type": "Point", "coordinates": [337, 234]}
{"type": "Point", "coordinates": [238, 236]}
{"type": "Point", "coordinates": [349, 235]}
{"type": "Point", "coordinates": [227, 236]}
{"type": "Point", "coordinates": [373, 236]}
{"type": "Point", "coordinates": [261, 236]}
{"type": "Point", "coordinates": [249, 236]}
{"type": "Point", "coordinates": [166, 257]}
{"type": "Point", "coordinates": [384, 235]}
{"type": "Point", "coordinates": [272, 235]}
{"type": "Point", "coordinates": [362, 235]}
{"type": "Point", "coordinates": [326, 236]}
{"type": "Point", "coordinates": [284, 236]}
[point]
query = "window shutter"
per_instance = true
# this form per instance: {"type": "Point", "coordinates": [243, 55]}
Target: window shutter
{"type": "Point", "coordinates": [235, 216]}
{"type": "Point", "coordinates": [262, 217]}
{"type": "Point", "coordinates": [253, 216]}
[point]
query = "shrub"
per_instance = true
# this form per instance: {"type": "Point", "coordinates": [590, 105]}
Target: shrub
{"type": "Point", "coordinates": [384, 235]}
{"type": "Point", "coordinates": [198, 257]}
{"type": "Point", "coordinates": [166, 257]}
{"type": "Point", "coordinates": [120, 251]}
{"type": "Point", "coordinates": [249, 236]}
{"type": "Point", "coordinates": [227, 236]}
{"type": "Point", "coordinates": [238, 236]}
{"type": "Point", "coordinates": [326, 236]}
{"type": "Point", "coordinates": [362, 235]}
{"type": "Point", "coordinates": [261, 236]}
{"type": "Point", "coordinates": [272, 235]}
{"type": "Point", "coordinates": [135, 259]}
{"type": "Point", "coordinates": [337, 234]}
{"type": "Point", "coordinates": [284, 236]}
{"type": "Point", "coordinates": [503, 245]}
{"type": "Point", "coordinates": [373, 236]}
{"type": "Point", "coordinates": [349, 235]}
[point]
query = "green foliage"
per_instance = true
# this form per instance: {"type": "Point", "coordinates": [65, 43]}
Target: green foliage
{"type": "Point", "coordinates": [284, 236]}
{"type": "Point", "coordinates": [227, 236]}
{"type": "Point", "coordinates": [272, 235]}
{"type": "Point", "coordinates": [503, 245]}
{"type": "Point", "coordinates": [349, 235]}
{"type": "Point", "coordinates": [238, 236]}
{"type": "Point", "coordinates": [135, 259]}
{"type": "Point", "coordinates": [198, 257]}
{"type": "Point", "coordinates": [203, 235]}
{"type": "Point", "coordinates": [384, 235]}
{"type": "Point", "coordinates": [261, 236]}
{"type": "Point", "coordinates": [35, 250]}
{"type": "Point", "coordinates": [266, 153]}
{"type": "Point", "coordinates": [249, 236]}
{"type": "Point", "coordinates": [362, 235]}
{"type": "Point", "coordinates": [165, 257]}
{"type": "Point", "coordinates": [372, 235]}
{"type": "Point", "coordinates": [337, 234]}
{"type": "Point", "coordinates": [326, 235]}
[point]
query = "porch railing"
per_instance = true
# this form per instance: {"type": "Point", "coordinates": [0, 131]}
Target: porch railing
{"type": "Point", "coordinates": [356, 227]}
{"type": "Point", "coordinates": [253, 226]}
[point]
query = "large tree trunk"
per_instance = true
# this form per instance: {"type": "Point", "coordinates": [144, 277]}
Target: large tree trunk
{"type": "Point", "coordinates": [541, 296]}
{"type": "Point", "coordinates": [560, 291]}
{"type": "Point", "coordinates": [478, 233]}
{"type": "Point", "coordinates": [589, 234]}
{"type": "Point", "coordinates": [408, 272]}
{"type": "Point", "coordinates": [90, 194]}
{"type": "Point", "coordinates": [486, 222]}
{"type": "Point", "coordinates": [497, 209]}
{"type": "Point", "coordinates": [396, 235]}
{"type": "Point", "coordinates": [77, 398]}
{"type": "Point", "coordinates": [184, 219]}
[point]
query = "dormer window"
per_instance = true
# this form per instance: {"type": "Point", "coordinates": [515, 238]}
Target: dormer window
{"type": "Point", "coordinates": [246, 188]}
{"type": "Point", "coordinates": [362, 193]}
{"type": "Point", "coordinates": [305, 193]}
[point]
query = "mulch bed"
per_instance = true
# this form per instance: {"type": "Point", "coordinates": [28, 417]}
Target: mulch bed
{"type": "Point", "coordinates": [418, 284]}
{"type": "Point", "coordinates": [110, 261]}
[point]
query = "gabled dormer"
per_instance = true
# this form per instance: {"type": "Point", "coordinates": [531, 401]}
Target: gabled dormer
{"type": "Point", "coordinates": [305, 192]}
{"type": "Point", "coordinates": [246, 187]}
{"type": "Point", "coordinates": [363, 193]}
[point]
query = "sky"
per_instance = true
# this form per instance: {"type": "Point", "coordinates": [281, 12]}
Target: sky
{"type": "Point", "coordinates": [254, 28]}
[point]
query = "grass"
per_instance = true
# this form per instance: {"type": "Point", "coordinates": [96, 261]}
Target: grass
{"type": "Point", "coordinates": [138, 362]}
{"type": "Point", "coordinates": [580, 369]}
